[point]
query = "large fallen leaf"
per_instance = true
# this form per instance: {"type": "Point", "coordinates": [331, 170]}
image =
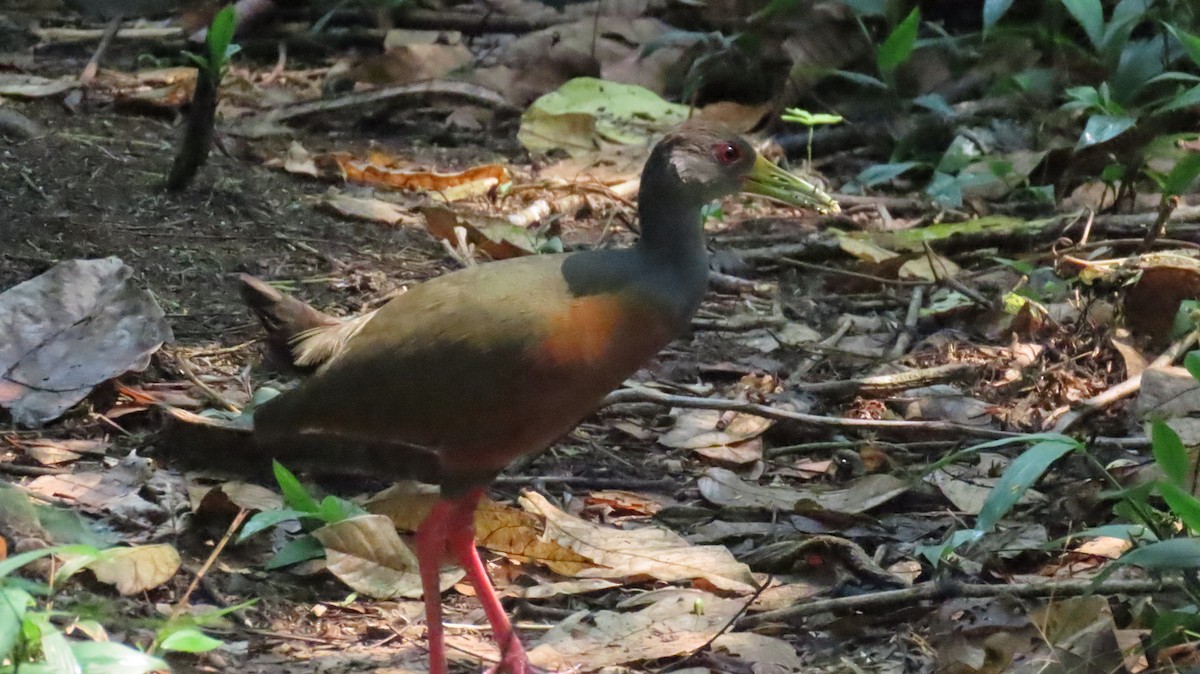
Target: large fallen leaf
{"type": "Point", "coordinates": [672, 622]}
{"type": "Point", "coordinates": [497, 237]}
{"type": "Point", "coordinates": [408, 63]}
{"type": "Point", "coordinates": [112, 491]}
{"type": "Point", "coordinates": [765, 655]}
{"type": "Point", "coordinates": [498, 527]}
{"type": "Point", "coordinates": [650, 552]}
{"type": "Point", "coordinates": [723, 487]}
{"type": "Point", "coordinates": [694, 429]}
{"type": "Point", "coordinates": [366, 553]}
{"type": "Point", "coordinates": [361, 208]}
{"type": "Point", "coordinates": [137, 569]}
{"type": "Point", "coordinates": [586, 113]}
{"type": "Point", "coordinates": [76, 326]}
{"type": "Point", "coordinates": [32, 86]}
{"type": "Point", "coordinates": [383, 170]}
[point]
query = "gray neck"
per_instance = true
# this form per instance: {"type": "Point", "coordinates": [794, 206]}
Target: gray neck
{"type": "Point", "coordinates": [672, 246]}
{"type": "Point", "coordinates": [670, 221]}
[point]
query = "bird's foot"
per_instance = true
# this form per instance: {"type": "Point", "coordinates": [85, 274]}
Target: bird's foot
{"type": "Point", "coordinates": [513, 660]}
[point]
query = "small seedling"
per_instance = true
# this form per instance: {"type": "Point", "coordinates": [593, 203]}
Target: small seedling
{"type": "Point", "coordinates": [197, 138]}
{"type": "Point", "coordinates": [811, 120]}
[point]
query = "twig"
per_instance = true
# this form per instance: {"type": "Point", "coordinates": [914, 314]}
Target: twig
{"type": "Point", "coordinates": [816, 356]}
{"type": "Point", "coordinates": [937, 590]}
{"type": "Point", "coordinates": [852, 274]}
{"type": "Point", "coordinates": [766, 411]}
{"type": "Point", "coordinates": [664, 484]}
{"type": "Point", "coordinates": [905, 338]}
{"type": "Point", "coordinates": [1132, 385]}
{"type": "Point", "coordinates": [354, 102]}
{"type": "Point", "coordinates": [738, 323]}
{"type": "Point", "coordinates": [212, 558]}
{"type": "Point", "coordinates": [31, 471]}
{"type": "Point", "coordinates": [1165, 208]}
{"type": "Point", "coordinates": [728, 283]}
{"type": "Point", "coordinates": [186, 367]}
{"type": "Point", "coordinates": [896, 381]}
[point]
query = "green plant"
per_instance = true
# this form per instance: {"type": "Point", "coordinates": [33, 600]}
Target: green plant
{"type": "Point", "coordinates": [31, 640]}
{"type": "Point", "coordinates": [301, 507]}
{"type": "Point", "coordinates": [211, 67]}
{"type": "Point", "coordinates": [810, 120]}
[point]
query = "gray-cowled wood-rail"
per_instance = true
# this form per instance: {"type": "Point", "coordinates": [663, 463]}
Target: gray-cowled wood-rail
{"type": "Point", "coordinates": [460, 375]}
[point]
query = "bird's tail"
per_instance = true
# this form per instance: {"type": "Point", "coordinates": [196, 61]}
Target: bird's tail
{"type": "Point", "coordinates": [299, 337]}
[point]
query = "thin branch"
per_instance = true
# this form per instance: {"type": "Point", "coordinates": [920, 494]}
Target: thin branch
{"type": "Point", "coordinates": [766, 411]}
{"type": "Point", "coordinates": [939, 590]}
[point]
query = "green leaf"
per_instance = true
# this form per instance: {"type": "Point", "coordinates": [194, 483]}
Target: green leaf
{"type": "Point", "coordinates": [1018, 478]}
{"type": "Point", "coordinates": [334, 509]}
{"type": "Point", "coordinates": [13, 604]}
{"type": "Point", "coordinates": [189, 640]}
{"type": "Point", "coordinates": [1169, 452]}
{"type": "Point", "coordinates": [269, 518]}
{"type": "Point", "coordinates": [860, 78]}
{"type": "Point", "coordinates": [1172, 627]}
{"type": "Point", "coordinates": [935, 103]}
{"type": "Point", "coordinates": [882, 173]}
{"type": "Point", "coordinates": [1185, 99]}
{"type": "Point", "coordinates": [1185, 320]}
{"type": "Point", "coordinates": [220, 35]}
{"type": "Point", "coordinates": [294, 493]}
{"type": "Point", "coordinates": [1134, 533]}
{"type": "Point", "coordinates": [1191, 43]}
{"type": "Point", "coordinates": [1183, 174]}
{"type": "Point", "coordinates": [55, 648]}
{"type": "Point", "coordinates": [936, 553]}
{"type": "Point", "coordinates": [17, 561]}
{"type": "Point", "coordinates": [993, 10]}
{"type": "Point", "coordinates": [945, 189]}
{"type": "Point", "coordinates": [298, 550]}
{"type": "Point", "coordinates": [1103, 128]}
{"type": "Point", "coordinates": [1185, 506]}
{"type": "Point", "coordinates": [1192, 362]}
{"type": "Point", "coordinates": [898, 46]}
{"type": "Point", "coordinates": [1090, 16]}
{"type": "Point", "coordinates": [109, 657]}
{"type": "Point", "coordinates": [1168, 555]}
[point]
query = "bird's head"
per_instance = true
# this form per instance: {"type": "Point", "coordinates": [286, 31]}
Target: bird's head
{"type": "Point", "coordinates": [708, 162]}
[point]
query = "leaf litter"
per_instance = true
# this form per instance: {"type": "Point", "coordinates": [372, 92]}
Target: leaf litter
{"type": "Point", "coordinates": [730, 493]}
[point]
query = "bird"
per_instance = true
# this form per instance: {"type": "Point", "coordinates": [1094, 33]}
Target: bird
{"type": "Point", "coordinates": [460, 375]}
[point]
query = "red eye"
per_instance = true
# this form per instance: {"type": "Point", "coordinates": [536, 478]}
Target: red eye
{"type": "Point", "coordinates": [727, 153]}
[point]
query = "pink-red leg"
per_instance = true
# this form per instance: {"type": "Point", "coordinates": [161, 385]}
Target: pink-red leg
{"type": "Point", "coordinates": [513, 659]}
{"type": "Point", "coordinates": [432, 537]}
{"type": "Point", "coordinates": [450, 528]}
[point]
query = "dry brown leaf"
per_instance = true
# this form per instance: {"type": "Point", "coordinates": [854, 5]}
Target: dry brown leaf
{"type": "Point", "coordinates": [75, 326]}
{"type": "Point", "coordinates": [370, 210]}
{"type": "Point", "coordinates": [649, 552]}
{"type": "Point", "coordinates": [20, 85]}
{"type": "Point", "coordinates": [626, 502]}
{"type": "Point", "coordinates": [114, 490]}
{"type": "Point", "coordinates": [929, 267]}
{"type": "Point", "coordinates": [735, 454]}
{"type": "Point", "coordinates": [366, 553]}
{"type": "Point", "coordinates": [410, 63]}
{"type": "Point", "coordinates": [49, 451]}
{"type": "Point", "coordinates": [725, 488]}
{"type": "Point", "coordinates": [764, 654]}
{"type": "Point", "coordinates": [709, 428]}
{"type": "Point", "coordinates": [137, 569]}
{"type": "Point", "coordinates": [497, 237]}
{"type": "Point", "coordinates": [383, 170]}
{"type": "Point", "coordinates": [672, 622]}
{"type": "Point", "coordinates": [568, 587]}
{"type": "Point", "coordinates": [231, 496]}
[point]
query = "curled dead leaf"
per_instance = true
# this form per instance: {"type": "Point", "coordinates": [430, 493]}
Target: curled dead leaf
{"type": "Point", "coordinates": [137, 569]}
